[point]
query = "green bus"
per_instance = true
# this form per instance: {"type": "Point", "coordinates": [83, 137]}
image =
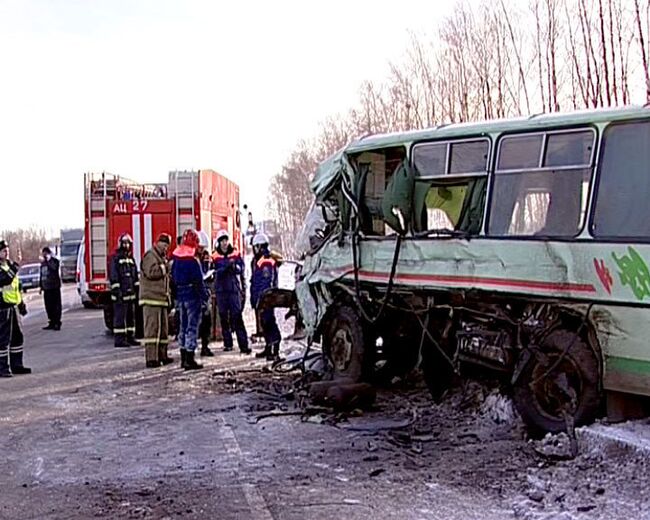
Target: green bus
{"type": "Point", "coordinates": [517, 247]}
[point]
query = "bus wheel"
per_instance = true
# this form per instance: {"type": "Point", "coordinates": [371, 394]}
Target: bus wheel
{"type": "Point", "coordinates": [343, 344]}
{"type": "Point", "coordinates": [552, 385]}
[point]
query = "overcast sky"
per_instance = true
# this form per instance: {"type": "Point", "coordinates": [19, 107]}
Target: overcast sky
{"type": "Point", "coordinates": [140, 87]}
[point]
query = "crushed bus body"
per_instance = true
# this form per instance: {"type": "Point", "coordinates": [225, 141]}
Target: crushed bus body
{"type": "Point", "coordinates": [517, 248]}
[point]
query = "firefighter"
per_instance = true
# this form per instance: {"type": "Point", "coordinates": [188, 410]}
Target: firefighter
{"type": "Point", "coordinates": [155, 301]}
{"type": "Point", "coordinates": [11, 303]}
{"type": "Point", "coordinates": [205, 327]}
{"type": "Point", "coordinates": [50, 286]}
{"type": "Point", "coordinates": [190, 293]}
{"type": "Point", "coordinates": [265, 278]}
{"type": "Point", "coordinates": [124, 289]}
{"type": "Point", "coordinates": [229, 288]}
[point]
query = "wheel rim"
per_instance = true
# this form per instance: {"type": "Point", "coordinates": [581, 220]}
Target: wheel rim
{"type": "Point", "coordinates": [559, 391]}
{"type": "Point", "coordinates": [341, 349]}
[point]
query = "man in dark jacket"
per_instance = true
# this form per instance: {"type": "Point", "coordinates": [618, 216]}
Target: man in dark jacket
{"type": "Point", "coordinates": [228, 285]}
{"type": "Point", "coordinates": [11, 303]}
{"type": "Point", "coordinates": [265, 278]}
{"type": "Point", "coordinates": [124, 289]}
{"type": "Point", "coordinates": [50, 284]}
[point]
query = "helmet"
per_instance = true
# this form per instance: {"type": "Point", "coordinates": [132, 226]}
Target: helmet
{"type": "Point", "coordinates": [190, 238]}
{"type": "Point", "coordinates": [259, 239]}
{"type": "Point", "coordinates": [222, 233]}
{"type": "Point", "coordinates": [3, 245]}
{"type": "Point", "coordinates": [204, 241]}
{"type": "Point", "coordinates": [124, 237]}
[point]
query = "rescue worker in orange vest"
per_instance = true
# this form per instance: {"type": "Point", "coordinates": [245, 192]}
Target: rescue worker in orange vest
{"type": "Point", "coordinates": [265, 278]}
{"type": "Point", "coordinates": [124, 289]}
{"type": "Point", "coordinates": [155, 300]}
{"type": "Point", "coordinates": [11, 303]}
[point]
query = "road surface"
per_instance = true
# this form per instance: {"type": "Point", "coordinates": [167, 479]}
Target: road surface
{"type": "Point", "coordinates": [92, 434]}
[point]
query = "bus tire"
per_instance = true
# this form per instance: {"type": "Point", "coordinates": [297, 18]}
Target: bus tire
{"type": "Point", "coordinates": [573, 385]}
{"type": "Point", "coordinates": [438, 374]}
{"type": "Point", "coordinates": [344, 346]}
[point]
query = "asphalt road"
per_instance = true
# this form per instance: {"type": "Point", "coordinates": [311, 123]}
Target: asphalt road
{"type": "Point", "coordinates": [92, 434]}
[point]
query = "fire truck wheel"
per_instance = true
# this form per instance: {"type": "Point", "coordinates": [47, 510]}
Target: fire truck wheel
{"type": "Point", "coordinates": [108, 317]}
{"type": "Point", "coordinates": [344, 346]}
{"type": "Point", "coordinates": [557, 381]}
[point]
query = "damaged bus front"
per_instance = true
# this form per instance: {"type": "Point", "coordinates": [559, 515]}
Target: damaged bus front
{"type": "Point", "coordinates": [514, 247]}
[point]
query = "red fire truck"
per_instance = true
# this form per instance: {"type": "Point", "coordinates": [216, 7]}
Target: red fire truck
{"type": "Point", "coordinates": [202, 200]}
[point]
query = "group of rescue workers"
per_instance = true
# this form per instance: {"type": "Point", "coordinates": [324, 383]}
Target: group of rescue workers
{"type": "Point", "coordinates": [185, 283]}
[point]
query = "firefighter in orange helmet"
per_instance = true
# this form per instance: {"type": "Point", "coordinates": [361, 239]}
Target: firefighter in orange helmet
{"type": "Point", "coordinates": [124, 290]}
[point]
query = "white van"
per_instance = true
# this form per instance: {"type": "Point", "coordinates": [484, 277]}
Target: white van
{"type": "Point", "coordinates": [82, 285]}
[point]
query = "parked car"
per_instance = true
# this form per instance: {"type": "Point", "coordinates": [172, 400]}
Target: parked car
{"type": "Point", "coordinates": [82, 284]}
{"type": "Point", "coordinates": [30, 276]}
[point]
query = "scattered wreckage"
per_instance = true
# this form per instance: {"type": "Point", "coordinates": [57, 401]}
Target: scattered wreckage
{"type": "Point", "coordinates": [515, 247]}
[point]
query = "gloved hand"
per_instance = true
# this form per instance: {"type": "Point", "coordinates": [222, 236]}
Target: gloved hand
{"type": "Point", "coordinates": [22, 309]}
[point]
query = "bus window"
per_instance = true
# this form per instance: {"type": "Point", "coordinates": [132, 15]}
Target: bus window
{"type": "Point", "coordinates": [450, 184]}
{"type": "Point", "coordinates": [541, 184]}
{"type": "Point", "coordinates": [622, 209]}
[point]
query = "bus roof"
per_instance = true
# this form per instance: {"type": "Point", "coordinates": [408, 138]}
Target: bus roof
{"type": "Point", "coordinates": [500, 125]}
{"type": "Point", "coordinates": [328, 169]}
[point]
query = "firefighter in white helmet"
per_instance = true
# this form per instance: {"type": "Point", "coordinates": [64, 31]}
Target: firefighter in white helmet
{"type": "Point", "coordinates": [263, 279]}
{"type": "Point", "coordinates": [124, 290]}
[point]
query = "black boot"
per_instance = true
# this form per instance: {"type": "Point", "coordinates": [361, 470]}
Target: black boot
{"type": "Point", "coordinates": [265, 353]}
{"type": "Point", "coordinates": [275, 354]}
{"type": "Point", "coordinates": [50, 326]}
{"type": "Point", "coordinates": [17, 367]}
{"type": "Point", "coordinates": [167, 360]}
{"type": "Point", "coordinates": [227, 349]}
{"type": "Point", "coordinates": [152, 364]}
{"type": "Point", "coordinates": [4, 367]}
{"type": "Point", "coordinates": [183, 358]}
{"type": "Point", "coordinates": [190, 364]}
{"type": "Point", "coordinates": [205, 350]}
{"type": "Point", "coordinates": [132, 341]}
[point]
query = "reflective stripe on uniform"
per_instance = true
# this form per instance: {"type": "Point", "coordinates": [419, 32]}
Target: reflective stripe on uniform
{"type": "Point", "coordinates": [128, 297]}
{"type": "Point", "coordinates": [126, 261]}
{"type": "Point", "coordinates": [154, 303]}
{"type": "Point", "coordinates": [11, 293]}
{"type": "Point", "coordinates": [115, 285]}
{"type": "Point", "coordinates": [119, 331]}
{"type": "Point", "coordinates": [154, 341]}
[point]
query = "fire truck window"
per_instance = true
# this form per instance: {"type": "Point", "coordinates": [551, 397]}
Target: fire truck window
{"type": "Point", "coordinates": [621, 210]}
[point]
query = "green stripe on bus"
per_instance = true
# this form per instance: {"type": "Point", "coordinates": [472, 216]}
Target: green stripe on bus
{"type": "Point", "coordinates": [619, 364]}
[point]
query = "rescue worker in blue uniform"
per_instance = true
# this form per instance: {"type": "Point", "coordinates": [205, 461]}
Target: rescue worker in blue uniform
{"type": "Point", "coordinates": [11, 303]}
{"type": "Point", "coordinates": [205, 327]}
{"type": "Point", "coordinates": [124, 292]}
{"type": "Point", "coordinates": [191, 292]}
{"type": "Point", "coordinates": [229, 288]}
{"type": "Point", "coordinates": [265, 278]}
